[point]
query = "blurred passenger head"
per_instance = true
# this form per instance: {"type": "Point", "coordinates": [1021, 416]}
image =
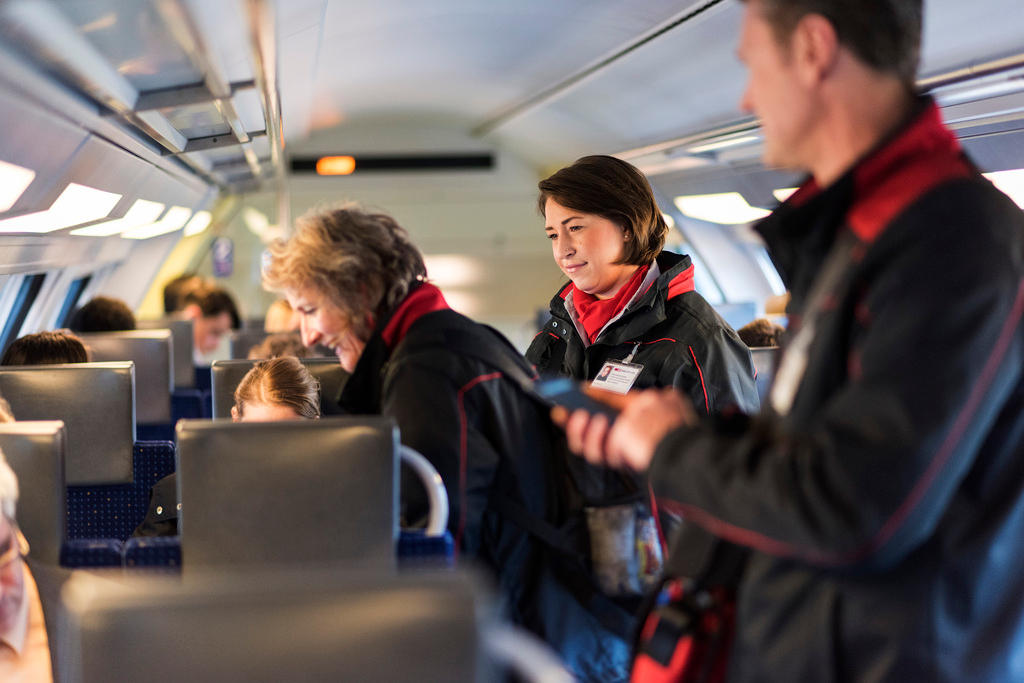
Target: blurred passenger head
{"type": "Point", "coordinates": [343, 270]}
{"type": "Point", "coordinates": [45, 348]}
{"type": "Point", "coordinates": [277, 345]}
{"type": "Point", "coordinates": [603, 222]}
{"type": "Point", "coordinates": [213, 314]}
{"type": "Point", "coordinates": [281, 317]}
{"type": "Point", "coordinates": [883, 34]}
{"type": "Point", "coordinates": [277, 389]}
{"type": "Point", "coordinates": [176, 289]}
{"type": "Point", "coordinates": [801, 54]}
{"type": "Point", "coordinates": [761, 332]}
{"type": "Point", "coordinates": [103, 314]}
{"type": "Point", "coordinates": [13, 547]}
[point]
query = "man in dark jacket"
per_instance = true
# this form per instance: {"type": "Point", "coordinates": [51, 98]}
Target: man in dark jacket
{"type": "Point", "coordinates": [881, 493]}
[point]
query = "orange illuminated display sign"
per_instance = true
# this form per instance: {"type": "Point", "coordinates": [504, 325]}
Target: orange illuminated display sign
{"type": "Point", "coordinates": [335, 165]}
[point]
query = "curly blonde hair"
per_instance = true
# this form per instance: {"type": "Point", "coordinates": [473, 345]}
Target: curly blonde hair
{"type": "Point", "coordinates": [362, 261]}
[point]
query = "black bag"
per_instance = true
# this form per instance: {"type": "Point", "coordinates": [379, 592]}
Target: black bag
{"type": "Point", "coordinates": [689, 624]}
{"type": "Point", "coordinates": [603, 544]}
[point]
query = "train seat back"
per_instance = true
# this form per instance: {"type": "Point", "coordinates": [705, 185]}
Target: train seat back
{"type": "Point", "coordinates": [35, 451]}
{"type": "Point", "coordinates": [765, 359]}
{"type": "Point", "coordinates": [96, 401]}
{"type": "Point", "coordinates": [300, 625]}
{"type": "Point", "coordinates": [112, 511]}
{"type": "Point", "coordinates": [241, 341]}
{"type": "Point", "coordinates": [306, 491]}
{"type": "Point", "coordinates": [181, 347]}
{"type": "Point", "coordinates": [152, 353]}
{"type": "Point", "coordinates": [226, 374]}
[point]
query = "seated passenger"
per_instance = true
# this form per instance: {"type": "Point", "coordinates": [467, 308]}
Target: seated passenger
{"type": "Point", "coordinates": [274, 390]}
{"type": "Point", "coordinates": [176, 290]}
{"type": "Point", "coordinates": [277, 345]}
{"type": "Point", "coordinates": [24, 647]}
{"type": "Point", "coordinates": [281, 317]}
{"type": "Point", "coordinates": [361, 288]}
{"type": "Point", "coordinates": [103, 314]}
{"type": "Point", "coordinates": [213, 314]}
{"type": "Point", "coordinates": [45, 348]}
{"type": "Point", "coordinates": [761, 333]}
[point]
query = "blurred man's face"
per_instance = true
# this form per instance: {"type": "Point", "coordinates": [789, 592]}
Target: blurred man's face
{"type": "Point", "coordinates": [773, 92]}
{"type": "Point", "coordinates": [208, 331]}
{"type": "Point", "coordinates": [12, 575]}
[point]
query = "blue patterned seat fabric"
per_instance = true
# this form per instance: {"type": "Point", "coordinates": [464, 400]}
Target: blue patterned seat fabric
{"type": "Point", "coordinates": [114, 510]}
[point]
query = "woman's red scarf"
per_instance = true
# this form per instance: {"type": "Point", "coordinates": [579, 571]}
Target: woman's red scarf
{"type": "Point", "coordinates": [594, 313]}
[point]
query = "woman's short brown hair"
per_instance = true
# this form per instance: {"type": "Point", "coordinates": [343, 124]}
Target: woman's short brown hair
{"type": "Point", "coordinates": [362, 261]}
{"type": "Point", "coordinates": [616, 190]}
{"type": "Point", "coordinates": [280, 381]}
{"type": "Point", "coordinates": [45, 348]}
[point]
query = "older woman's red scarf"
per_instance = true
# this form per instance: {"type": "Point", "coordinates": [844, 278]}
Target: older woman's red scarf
{"type": "Point", "coordinates": [594, 313]}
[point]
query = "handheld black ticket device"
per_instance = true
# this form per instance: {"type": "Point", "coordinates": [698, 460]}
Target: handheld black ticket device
{"type": "Point", "coordinates": [565, 392]}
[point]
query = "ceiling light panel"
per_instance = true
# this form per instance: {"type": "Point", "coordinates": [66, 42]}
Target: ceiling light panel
{"type": "Point", "coordinates": [784, 193]}
{"type": "Point", "coordinates": [143, 212]}
{"type": "Point", "coordinates": [726, 208]}
{"type": "Point", "coordinates": [198, 224]}
{"type": "Point", "coordinates": [175, 219]}
{"type": "Point", "coordinates": [14, 180]}
{"type": "Point", "coordinates": [77, 204]}
{"type": "Point", "coordinates": [1011, 183]}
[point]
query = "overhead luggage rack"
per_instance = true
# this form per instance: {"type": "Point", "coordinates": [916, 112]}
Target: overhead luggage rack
{"type": "Point", "coordinates": [156, 70]}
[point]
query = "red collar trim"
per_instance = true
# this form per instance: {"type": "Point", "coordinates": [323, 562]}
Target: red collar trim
{"type": "Point", "coordinates": [804, 193]}
{"type": "Point", "coordinates": [682, 283]}
{"type": "Point", "coordinates": [923, 156]}
{"type": "Point", "coordinates": [424, 299]}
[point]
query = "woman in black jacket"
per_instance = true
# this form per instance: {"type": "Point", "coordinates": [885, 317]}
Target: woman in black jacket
{"type": "Point", "coordinates": [359, 287]}
{"type": "Point", "coordinates": [630, 315]}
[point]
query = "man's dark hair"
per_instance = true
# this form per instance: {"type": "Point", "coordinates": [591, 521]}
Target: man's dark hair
{"type": "Point", "coordinates": [884, 34]}
{"type": "Point", "coordinates": [103, 314]}
{"type": "Point", "coordinates": [213, 301]}
{"type": "Point", "coordinates": [615, 190]}
{"type": "Point", "coordinates": [45, 348]}
{"type": "Point", "coordinates": [176, 289]}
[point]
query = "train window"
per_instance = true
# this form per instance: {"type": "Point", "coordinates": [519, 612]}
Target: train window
{"type": "Point", "coordinates": [764, 262]}
{"type": "Point", "coordinates": [23, 300]}
{"type": "Point", "coordinates": [71, 300]}
{"type": "Point", "coordinates": [703, 280]}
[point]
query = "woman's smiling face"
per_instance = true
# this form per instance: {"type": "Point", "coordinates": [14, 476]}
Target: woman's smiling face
{"type": "Point", "coordinates": [586, 247]}
{"type": "Point", "coordinates": [322, 322]}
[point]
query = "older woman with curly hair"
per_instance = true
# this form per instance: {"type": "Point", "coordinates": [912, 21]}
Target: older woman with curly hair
{"type": "Point", "coordinates": [453, 386]}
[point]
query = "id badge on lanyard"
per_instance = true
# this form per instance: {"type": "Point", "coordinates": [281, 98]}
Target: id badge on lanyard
{"type": "Point", "coordinates": [618, 375]}
{"type": "Point", "coordinates": [793, 364]}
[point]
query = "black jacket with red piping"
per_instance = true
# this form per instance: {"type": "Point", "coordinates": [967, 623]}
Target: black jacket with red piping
{"type": "Point", "coordinates": [682, 341]}
{"type": "Point", "coordinates": [439, 375]}
{"type": "Point", "coordinates": [882, 490]}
